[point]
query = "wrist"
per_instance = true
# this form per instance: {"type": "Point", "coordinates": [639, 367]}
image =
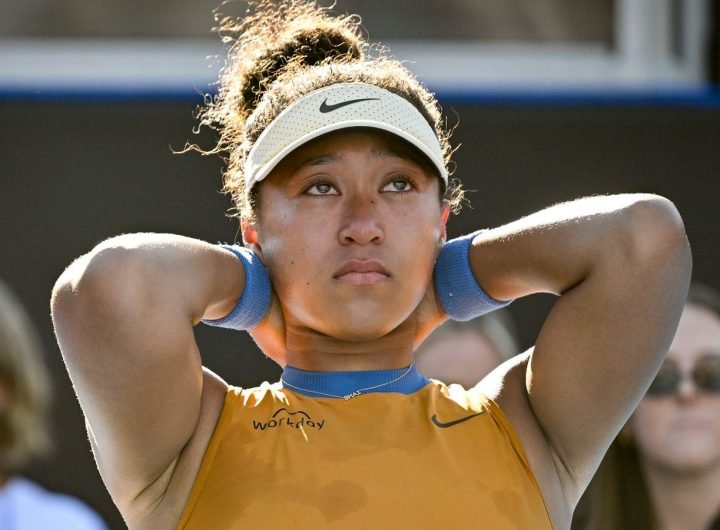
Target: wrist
{"type": "Point", "coordinates": [456, 287]}
{"type": "Point", "coordinates": [254, 302]}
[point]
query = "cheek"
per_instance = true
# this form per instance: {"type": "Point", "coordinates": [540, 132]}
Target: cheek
{"type": "Point", "coordinates": [711, 411]}
{"type": "Point", "coordinates": [285, 234]}
{"type": "Point", "coordinates": [422, 233]}
{"type": "Point", "coordinates": [292, 262]}
{"type": "Point", "coordinates": [664, 435]}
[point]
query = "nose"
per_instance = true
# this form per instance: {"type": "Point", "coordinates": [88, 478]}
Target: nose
{"type": "Point", "coordinates": [361, 223]}
{"type": "Point", "coordinates": [686, 389]}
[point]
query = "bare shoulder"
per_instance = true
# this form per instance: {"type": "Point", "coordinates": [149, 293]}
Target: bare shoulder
{"type": "Point", "coordinates": [168, 496]}
{"type": "Point", "coordinates": [506, 385]}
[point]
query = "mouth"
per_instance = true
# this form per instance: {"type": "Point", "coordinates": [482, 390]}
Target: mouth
{"type": "Point", "coordinates": [689, 424]}
{"type": "Point", "coordinates": [362, 272]}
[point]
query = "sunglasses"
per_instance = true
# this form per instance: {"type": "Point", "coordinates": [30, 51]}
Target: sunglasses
{"type": "Point", "coordinates": [705, 375]}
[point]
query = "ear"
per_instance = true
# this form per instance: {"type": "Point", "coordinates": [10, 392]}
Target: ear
{"type": "Point", "coordinates": [445, 215]}
{"type": "Point", "coordinates": [251, 236]}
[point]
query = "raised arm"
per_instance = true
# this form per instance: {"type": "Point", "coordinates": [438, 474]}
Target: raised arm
{"type": "Point", "coordinates": [621, 265]}
{"type": "Point", "coordinates": [123, 316]}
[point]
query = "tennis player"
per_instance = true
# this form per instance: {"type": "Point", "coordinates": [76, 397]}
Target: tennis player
{"type": "Point", "coordinates": [337, 162]}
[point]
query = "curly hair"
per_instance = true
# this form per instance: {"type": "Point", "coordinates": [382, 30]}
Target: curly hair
{"type": "Point", "coordinates": [282, 50]}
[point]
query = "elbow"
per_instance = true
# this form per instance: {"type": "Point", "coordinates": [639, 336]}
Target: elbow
{"type": "Point", "coordinates": [97, 279]}
{"type": "Point", "coordinates": [657, 235]}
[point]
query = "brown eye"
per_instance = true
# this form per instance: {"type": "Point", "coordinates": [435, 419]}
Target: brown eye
{"type": "Point", "coordinates": [398, 185]}
{"type": "Point", "coordinates": [321, 188]}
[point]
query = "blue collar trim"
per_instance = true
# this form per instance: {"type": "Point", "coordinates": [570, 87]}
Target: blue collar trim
{"type": "Point", "coordinates": [341, 384]}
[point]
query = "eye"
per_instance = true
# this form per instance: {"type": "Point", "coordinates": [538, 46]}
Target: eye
{"type": "Point", "coordinates": [707, 373]}
{"type": "Point", "coordinates": [321, 188]}
{"type": "Point", "coordinates": [399, 185]}
{"type": "Point", "coordinates": [666, 381]}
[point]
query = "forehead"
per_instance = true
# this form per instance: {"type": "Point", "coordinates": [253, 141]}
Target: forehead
{"type": "Point", "coordinates": [698, 333]}
{"type": "Point", "coordinates": [330, 147]}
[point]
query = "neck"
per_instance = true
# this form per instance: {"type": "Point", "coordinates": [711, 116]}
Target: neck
{"type": "Point", "coordinates": [684, 500]}
{"type": "Point", "coordinates": [312, 351]}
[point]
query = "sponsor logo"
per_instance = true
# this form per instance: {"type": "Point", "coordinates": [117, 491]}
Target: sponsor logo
{"type": "Point", "coordinates": [283, 418]}
{"type": "Point", "coordinates": [444, 425]}
{"type": "Point", "coordinates": [325, 107]}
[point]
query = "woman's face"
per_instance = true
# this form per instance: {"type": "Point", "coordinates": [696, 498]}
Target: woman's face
{"type": "Point", "coordinates": [680, 432]}
{"type": "Point", "coordinates": [349, 226]}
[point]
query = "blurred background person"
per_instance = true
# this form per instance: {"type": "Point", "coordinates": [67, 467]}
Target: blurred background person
{"type": "Point", "coordinates": [663, 471]}
{"type": "Point", "coordinates": [465, 352]}
{"type": "Point", "coordinates": [24, 399]}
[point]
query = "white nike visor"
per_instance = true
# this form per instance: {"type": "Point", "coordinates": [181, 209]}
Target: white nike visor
{"type": "Point", "coordinates": [336, 107]}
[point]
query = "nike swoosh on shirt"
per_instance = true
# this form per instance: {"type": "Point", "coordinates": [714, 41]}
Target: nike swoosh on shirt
{"type": "Point", "coordinates": [325, 107]}
{"type": "Point", "coordinates": [454, 422]}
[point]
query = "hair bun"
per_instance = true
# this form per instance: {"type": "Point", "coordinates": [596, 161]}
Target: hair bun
{"type": "Point", "coordinates": [307, 47]}
{"type": "Point", "coordinates": [283, 36]}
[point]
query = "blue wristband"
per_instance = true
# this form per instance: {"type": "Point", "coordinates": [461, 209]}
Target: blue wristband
{"type": "Point", "coordinates": [455, 285]}
{"type": "Point", "coordinates": [255, 300]}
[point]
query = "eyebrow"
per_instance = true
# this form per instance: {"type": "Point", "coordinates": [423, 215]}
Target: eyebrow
{"type": "Point", "coordinates": [314, 161]}
{"type": "Point", "coordinates": [320, 160]}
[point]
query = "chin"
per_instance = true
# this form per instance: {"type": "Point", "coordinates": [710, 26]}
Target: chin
{"type": "Point", "coordinates": [374, 308]}
{"type": "Point", "coordinates": [692, 458]}
{"type": "Point", "coordinates": [357, 329]}
{"type": "Point", "coordinates": [354, 319]}
{"type": "Point", "coordinates": [689, 464]}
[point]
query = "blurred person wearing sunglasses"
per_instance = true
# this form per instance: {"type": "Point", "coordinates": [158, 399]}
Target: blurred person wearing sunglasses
{"type": "Point", "coordinates": [663, 471]}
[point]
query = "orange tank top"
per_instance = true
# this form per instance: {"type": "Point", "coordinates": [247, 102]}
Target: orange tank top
{"type": "Point", "coordinates": [439, 458]}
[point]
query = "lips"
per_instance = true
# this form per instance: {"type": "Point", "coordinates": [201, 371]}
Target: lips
{"type": "Point", "coordinates": [690, 424]}
{"type": "Point", "coordinates": [362, 272]}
